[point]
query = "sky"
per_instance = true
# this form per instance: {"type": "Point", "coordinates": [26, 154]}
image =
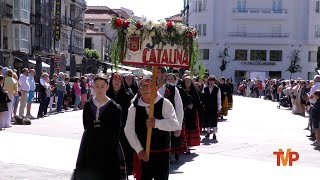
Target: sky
{"type": "Point", "coordinates": [152, 9]}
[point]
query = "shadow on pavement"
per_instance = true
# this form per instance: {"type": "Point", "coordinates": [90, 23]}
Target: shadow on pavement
{"type": "Point", "coordinates": [317, 148]}
{"type": "Point", "coordinates": [208, 141]}
{"type": "Point", "coordinates": [184, 158]}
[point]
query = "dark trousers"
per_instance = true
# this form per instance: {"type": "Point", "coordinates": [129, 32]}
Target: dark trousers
{"type": "Point", "coordinates": [46, 106]}
{"type": "Point", "coordinates": [43, 104]}
{"type": "Point", "coordinates": [60, 100]}
{"type": "Point", "coordinates": [157, 168]}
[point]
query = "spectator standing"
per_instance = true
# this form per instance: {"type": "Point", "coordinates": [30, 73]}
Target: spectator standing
{"type": "Point", "coordinates": [10, 85]}
{"type": "Point", "coordinates": [24, 88]}
{"type": "Point", "coordinates": [67, 97]}
{"type": "Point", "coordinates": [16, 95]}
{"type": "Point", "coordinates": [77, 93]}
{"type": "Point", "coordinates": [315, 116]}
{"type": "Point", "coordinates": [54, 97]}
{"type": "Point", "coordinates": [84, 91]}
{"type": "Point", "coordinates": [43, 89]}
{"type": "Point", "coordinates": [61, 89]}
{"type": "Point", "coordinates": [32, 84]}
{"type": "Point", "coordinates": [4, 99]}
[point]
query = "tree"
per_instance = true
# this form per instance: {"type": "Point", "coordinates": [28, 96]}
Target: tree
{"type": "Point", "coordinates": [294, 66]}
{"type": "Point", "coordinates": [225, 59]}
{"type": "Point", "coordinates": [92, 53]}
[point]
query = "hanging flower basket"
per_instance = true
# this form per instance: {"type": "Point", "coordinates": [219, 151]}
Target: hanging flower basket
{"type": "Point", "coordinates": [154, 42]}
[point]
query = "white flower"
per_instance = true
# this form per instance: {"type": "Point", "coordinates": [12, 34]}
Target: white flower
{"type": "Point", "coordinates": [163, 33]}
{"type": "Point", "coordinates": [131, 29]}
{"type": "Point", "coordinates": [163, 24]}
{"type": "Point", "coordinates": [152, 33]}
{"type": "Point", "coordinates": [156, 24]}
{"type": "Point", "coordinates": [138, 32]}
{"type": "Point", "coordinates": [149, 25]}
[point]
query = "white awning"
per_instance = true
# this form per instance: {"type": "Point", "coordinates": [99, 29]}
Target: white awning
{"type": "Point", "coordinates": [123, 72]}
{"type": "Point", "coordinates": [44, 65]}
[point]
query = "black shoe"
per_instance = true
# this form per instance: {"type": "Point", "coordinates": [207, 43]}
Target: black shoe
{"type": "Point", "coordinates": [214, 137]}
{"type": "Point", "coordinates": [208, 135]}
{"type": "Point", "coordinates": [311, 135]}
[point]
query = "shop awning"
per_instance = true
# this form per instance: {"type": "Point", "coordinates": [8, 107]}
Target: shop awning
{"type": "Point", "coordinates": [44, 65]}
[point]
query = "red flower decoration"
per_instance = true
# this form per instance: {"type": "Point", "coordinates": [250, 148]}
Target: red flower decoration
{"type": "Point", "coordinates": [139, 25]}
{"type": "Point", "coordinates": [169, 24]}
{"type": "Point", "coordinates": [189, 34]}
{"type": "Point", "coordinates": [118, 22]}
{"type": "Point", "coordinates": [126, 24]}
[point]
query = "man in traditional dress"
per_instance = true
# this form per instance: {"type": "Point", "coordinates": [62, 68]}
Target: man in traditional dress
{"type": "Point", "coordinates": [165, 120]}
{"type": "Point", "coordinates": [225, 89]}
{"type": "Point", "coordinates": [212, 104]}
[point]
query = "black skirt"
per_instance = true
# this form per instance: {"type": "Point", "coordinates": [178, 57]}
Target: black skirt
{"type": "Point", "coordinates": [3, 107]}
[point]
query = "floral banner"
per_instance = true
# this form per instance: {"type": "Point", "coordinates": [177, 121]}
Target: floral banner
{"type": "Point", "coordinates": [154, 43]}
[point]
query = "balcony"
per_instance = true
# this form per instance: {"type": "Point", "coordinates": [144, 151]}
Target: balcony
{"type": "Point", "coordinates": [259, 13]}
{"type": "Point", "coordinates": [317, 35]}
{"type": "Point", "coordinates": [259, 35]}
{"type": "Point", "coordinates": [5, 10]}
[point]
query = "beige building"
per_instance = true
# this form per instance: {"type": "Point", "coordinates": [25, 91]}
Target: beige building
{"type": "Point", "coordinates": [98, 41]}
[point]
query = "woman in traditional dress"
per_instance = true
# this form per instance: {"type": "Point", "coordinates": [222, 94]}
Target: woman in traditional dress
{"type": "Point", "coordinates": [230, 99]}
{"type": "Point", "coordinates": [4, 99]}
{"type": "Point", "coordinates": [122, 96]}
{"type": "Point", "coordinates": [191, 118]}
{"type": "Point", "coordinates": [100, 151]}
{"type": "Point", "coordinates": [225, 89]}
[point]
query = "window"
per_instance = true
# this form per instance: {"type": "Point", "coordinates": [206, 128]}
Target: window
{"type": "Point", "coordinates": [275, 55]}
{"type": "Point", "coordinates": [22, 10]}
{"type": "Point", "coordinates": [258, 55]}
{"type": "Point", "coordinates": [275, 74]}
{"type": "Point", "coordinates": [200, 6]}
{"type": "Point", "coordinates": [88, 43]}
{"type": "Point", "coordinates": [196, 7]}
{"type": "Point", "coordinates": [242, 6]}
{"type": "Point", "coordinates": [317, 6]}
{"type": "Point", "coordinates": [204, 30]}
{"type": "Point", "coordinates": [5, 37]}
{"type": "Point", "coordinates": [103, 24]}
{"type": "Point", "coordinates": [199, 29]}
{"type": "Point", "coordinates": [241, 55]}
{"type": "Point", "coordinates": [312, 56]}
{"type": "Point", "coordinates": [25, 30]}
{"type": "Point", "coordinates": [277, 6]}
{"type": "Point", "coordinates": [204, 54]}
{"type": "Point", "coordinates": [103, 29]}
{"type": "Point", "coordinates": [317, 31]}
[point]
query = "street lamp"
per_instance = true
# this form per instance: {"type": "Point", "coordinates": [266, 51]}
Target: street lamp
{"type": "Point", "coordinates": [185, 12]}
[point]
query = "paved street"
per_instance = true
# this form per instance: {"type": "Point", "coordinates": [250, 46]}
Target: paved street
{"type": "Point", "coordinates": [255, 128]}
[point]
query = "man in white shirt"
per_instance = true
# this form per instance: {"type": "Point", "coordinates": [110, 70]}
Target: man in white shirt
{"type": "Point", "coordinates": [32, 84]}
{"type": "Point", "coordinates": [24, 88]}
{"type": "Point", "coordinates": [165, 120]}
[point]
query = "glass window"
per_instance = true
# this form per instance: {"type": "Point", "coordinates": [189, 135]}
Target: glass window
{"type": "Point", "coordinates": [204, 54]}
{"type": "Point", "coordinates": [242, 6]}
{"type": "Point", "coordinates": [275, 55]}
{"type": "Point", "coordinates": [275, 74]}
{"type": "Point", "coordinates": [196, 6]}
{"type": "Point", "coordinates": [205, 2]}
{"type": "Point", "coordinates": [199, 30]}
{"type": "Point", "coordinates": [200, 6]}
{"type": "Point", "coordinates": [24, 37]}
{"type": "Point", "coordinates": [312, 56]}
{"type": "Point", "coordinates": [204, 29]}
{"type": "Point", "coordinates": [241, 55]}
{"type": "Point", "coordinates": [277, 6]}
{"type": "Point", "coordinates": [317, 31]}
{"type": "Point", "coordinates": [318, 7]}
{"type": "Point", "coordinates": [258, 55]}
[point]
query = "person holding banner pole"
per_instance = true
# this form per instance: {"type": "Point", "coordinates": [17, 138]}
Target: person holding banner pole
{"type": "Point", "coordinates": [156, 165]}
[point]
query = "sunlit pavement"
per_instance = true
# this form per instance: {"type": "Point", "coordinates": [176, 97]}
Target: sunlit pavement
{"type": "Point", "coordinates": [246, 140]}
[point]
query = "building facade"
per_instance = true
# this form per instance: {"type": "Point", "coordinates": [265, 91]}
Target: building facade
{"type": "Point", "coordinates": [6, 41]}
{"type": "Point", "coordinates": [260, 36]}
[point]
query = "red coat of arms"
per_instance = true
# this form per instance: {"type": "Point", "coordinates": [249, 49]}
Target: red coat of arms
{"type": "Point", "coordinates": [134, 43]}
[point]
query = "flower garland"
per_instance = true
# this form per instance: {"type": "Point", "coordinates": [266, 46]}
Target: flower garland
{"type": "Point", "coordinates": [162, 32]}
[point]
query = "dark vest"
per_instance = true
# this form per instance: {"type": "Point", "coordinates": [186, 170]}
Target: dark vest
{"type": "Point", "coordinates": [42, 89]}
{"type": "Point", "coordinates": [170, 93]}
{"type": "Point", "coordinates": [160, 139]}
{"type": "Point", "coordinates": [211, 99]}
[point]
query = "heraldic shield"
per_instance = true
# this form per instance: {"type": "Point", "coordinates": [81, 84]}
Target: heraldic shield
{"type": "Point", "coordinates": [134, 43]}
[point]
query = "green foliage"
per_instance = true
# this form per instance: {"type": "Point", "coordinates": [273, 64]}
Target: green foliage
{"type": "Point", "coordinates": [92, 53]}
{"type": "Point", "coordinates": [294, 66]}
{"type": "Point", "coordinates": [194, 56]}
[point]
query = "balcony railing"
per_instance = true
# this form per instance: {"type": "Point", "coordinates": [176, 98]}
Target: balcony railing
{"type": "Point", "coordinates": [317, 35]}
{"type": "Point", "coordinates": [5, 10]}
{"type": "Point", "coordinates": [260, 11]}
{"type": "Point", "coordinates": [259, 35]}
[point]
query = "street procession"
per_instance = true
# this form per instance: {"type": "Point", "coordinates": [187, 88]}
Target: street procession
{"type": "Point", "coordinates": [216, 91]}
